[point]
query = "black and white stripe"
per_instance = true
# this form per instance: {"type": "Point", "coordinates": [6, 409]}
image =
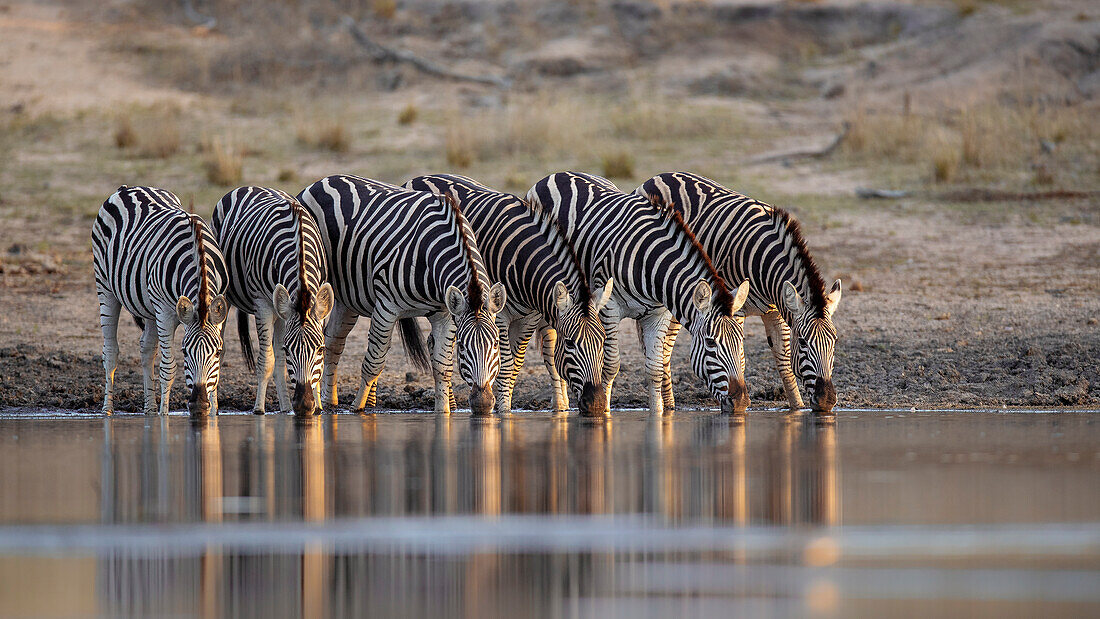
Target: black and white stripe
{"type": "Point", "coordinates": [276, 263]}
{"type": "Point", "coordinates": [748, 239]}
{"type": "Point", "coordinates": [161, 264]}
{"type": "Point", "coordinates": [662, 279]}
{"type": "Point", "coordinates": [394, 254]}
{"type": "Point", "coordinates": [524, 249]}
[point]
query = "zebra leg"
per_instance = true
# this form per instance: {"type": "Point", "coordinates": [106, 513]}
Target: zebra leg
{"type": "Point", "coordinates": [655, 325]}
{"type": "Point", "coordinates": [441, 342]}
{"type": "Point", "coordinates": [506, 379]}
{"type": "Point", "coordinates": [519, 336]}
{"type": "Point", "coordinates": [166, 331]}
{"type": "Point", "coordinates": [779, 338]}
{"type": "Point", "coordinates": [378, 344]}
{"type": "Point", "coordinates": [109, 309]}
{"type": "Point", "coordinates": [148, 365]}
{"type": "Point", "coordinates": [666, 384]}
{"type": "Point", "coordinates": [610, 317]}
{"type": "Point", "coordinates": [280, 364]}
{"type": "Point", "coordinates": [549, 340]}
{"type": "Point", "coordinates": [340, 322]}
{"type": "Point", "coordinates": [265, 359]}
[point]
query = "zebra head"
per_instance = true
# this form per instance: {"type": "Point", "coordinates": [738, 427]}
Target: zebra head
{"type": "Point", "coordinates": [478, 339]}
{"type": "Point", "coordinates": [579, 351]}
{"type": "Point", "coordinates": [202, 349]}
{"type": "Point", "coordinates": [718, 346]}
{"type": "Point", "coordinates": [815, 342]}
{"type": "Point", "coordinates": [303, 343]}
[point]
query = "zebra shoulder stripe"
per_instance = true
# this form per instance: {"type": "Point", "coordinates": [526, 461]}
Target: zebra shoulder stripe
{"type": "Point", "coordinates": [718, 285]}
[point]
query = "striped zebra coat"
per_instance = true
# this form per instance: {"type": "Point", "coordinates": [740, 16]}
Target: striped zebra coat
{"type": "Point", "coordinates": [161, 264]}
{"type": "Point", "coordinates": [753, 240]}
{"type": "Point", "coordinates": [525, 250]}
{"type": "Point", "coordinates": [661, 276]}
{"type": "Point", "coordinates": [394, 254]}
{"type": "Point", "coordinates": [276, 263]}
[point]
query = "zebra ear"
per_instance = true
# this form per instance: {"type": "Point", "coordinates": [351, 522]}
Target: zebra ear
{"type": "Point", "coordinates": [792, 299]}
{"type": "Point", "coordinates": [561, 298]}
{"type": "Point", "coordinates": [740, 296]}
{"type": "Point", "coordinates": [281, 301]}
{"type": "Point", "coordinates": [605, 296]}
{"type": "Point", "coordinates": [322, 302]}
{"type": "Point", "coordinates": [185, 310]}
{"type": "Point", "coordinates": [833, 298]}
{"type": "Point", "coordinates": [498, 296]}
{"type": "Point", "coordinates": [701, 297]}
{"type": "Point", "coordinates": [456, 303]}
{"type": "Point", "coordinates": [219, 309]}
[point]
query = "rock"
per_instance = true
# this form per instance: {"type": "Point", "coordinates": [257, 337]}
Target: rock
{"type": "Point", "coordinates": [410, 377]}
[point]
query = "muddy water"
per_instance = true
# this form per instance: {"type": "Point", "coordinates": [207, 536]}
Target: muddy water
{"type": "Point", "coordinates": [941, 514]}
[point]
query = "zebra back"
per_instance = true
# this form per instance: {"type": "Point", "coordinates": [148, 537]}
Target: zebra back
{"type": "Point", "coordinates": [521, 246]}
{"type": "Point", "coordinates": [746, 238]}
{"type": "Point", "coordinates": [147, 253]}
{"type": "Point", "coordinates": [385, 243]}
{"type": "Point", "coordinates": [647, 247]}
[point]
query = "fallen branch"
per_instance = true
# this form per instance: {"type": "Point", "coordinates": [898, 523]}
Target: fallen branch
{"type": "Point", "coordinates": [381, 53]}
{"type": "Point", "coordinates": [804, 154]}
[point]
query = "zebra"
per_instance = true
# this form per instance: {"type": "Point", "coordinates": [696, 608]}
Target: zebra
{"type": "Point", "coordinates": [394, 254]}
{"type": "Point", "coordinates": [661, 276]}
{"type": "Point", "coordinates": [163, 265]}
{"type": "Point", "coordinates": [527, 251]}
{"type": "Point", "coordinates": [749, 239]}
{"type": "Point", "coordinates": [276, 265]}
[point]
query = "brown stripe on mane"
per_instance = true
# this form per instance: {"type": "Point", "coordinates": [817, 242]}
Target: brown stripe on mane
{"type": "Point", "coordinates": [200, 262]}
{"type": "Point", "coordinates": [802, 251]}
{"type": "Point", "coordinates": [473, 285]}
{"type": "Point", "coordinates": [584, 293]}
{"type": "Point", "coordinates": [718, 285]}
{"type": "Point", "coordinates": [305, 296]}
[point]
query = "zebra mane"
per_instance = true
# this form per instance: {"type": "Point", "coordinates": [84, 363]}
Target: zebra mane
{"type": "Point", "coordinates": [802, 252]}
{"type": "Point", "coordinates": [473, 285]}
{"type": "Point", "coordinates": [584, 293]}
{"type": "Point", "coordinates": [718, 285]}
{"type": "Point", "coordinates": [200, 263]}
{"type": "Point", "coordinates": [304, 295]}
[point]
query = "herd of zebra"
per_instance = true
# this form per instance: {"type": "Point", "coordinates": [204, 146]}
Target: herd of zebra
{"type": "Point", "coordinates": [490, 270]}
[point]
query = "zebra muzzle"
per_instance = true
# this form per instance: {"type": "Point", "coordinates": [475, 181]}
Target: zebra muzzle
{"type": "Point", "coordinates": [481, 400]}
{"type": "Point", "coordinates": [303, 402]}
{"type": "Point", "coordinates": [199, 402]}
{"type": "Point", "coordinates": [737, 400]}
{"type": "Point", "coordinates": [824, 397]}
{"type": "Point", "coordinates": [593, 400]}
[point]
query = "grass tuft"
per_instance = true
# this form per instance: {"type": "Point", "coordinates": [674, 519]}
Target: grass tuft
{"type": "Point", "coordinates": [327, 134]}
{"type": "Point", "coordinates": [408, 115]}
{"type": "Point", "coordinates": [224, 163]}
{"type": "Point", "coordinates": [125, 136]}
{"type": "Point", "coordinates": [619, 164]}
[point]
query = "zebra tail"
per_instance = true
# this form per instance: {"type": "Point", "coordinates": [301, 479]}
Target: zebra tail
{"type": "Point", "coordinates": [246, 341]}
{"type": "Point", "coordinates": [413, 341]}
{"type": "Point", "coordinates": [140, 322]}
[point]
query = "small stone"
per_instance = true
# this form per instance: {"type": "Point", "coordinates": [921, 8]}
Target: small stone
{"type": "Point", "coordinates": [1090, 321]}
{"type": "Point", "coordinates": [410, 377]}
{"type": "Point", "coordinates": [944, 316]}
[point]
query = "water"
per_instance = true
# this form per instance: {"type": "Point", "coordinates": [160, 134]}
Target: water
{"type": "Point", "coordinates": [913, 513]}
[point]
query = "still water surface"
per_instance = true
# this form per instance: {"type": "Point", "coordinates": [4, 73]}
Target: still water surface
{"type": "Point", "coordinates": [873, 513]}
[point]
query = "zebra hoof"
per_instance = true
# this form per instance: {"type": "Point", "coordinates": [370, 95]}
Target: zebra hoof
{"type": "Point", "coordinates": [258, 411]}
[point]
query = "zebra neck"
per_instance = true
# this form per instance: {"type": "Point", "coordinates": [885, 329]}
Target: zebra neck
{"type": "Point", "coordinates": [677, 291]}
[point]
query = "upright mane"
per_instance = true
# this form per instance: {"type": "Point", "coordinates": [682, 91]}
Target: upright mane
{"type": "Point", "coordinates": [720, 289]}
{"type": "Point", "coordinates": [584, 293]}
{"type": "Point", "coordinates": [473, 285]}
{"type": "Point", "coordinates": [802, 252]}
{"type": "Point", "coordinates": [200, 263]}
{"type": "Point", "coordinates": [304, 294]}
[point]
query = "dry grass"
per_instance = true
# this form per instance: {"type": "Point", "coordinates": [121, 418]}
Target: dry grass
{"type": "Point", "coordinates": [383, 9]}
{"type": "Point", "coordinates": [224, 163]}
{"type": "Point", "coordinates": [408, 115]}
{"type": "Point", "coordinates": [618, 165]}
{"type": "Point", "coordinates": [327, 133]}
{"type": "Point", "coordinates": [990, 143]}
{"type": "Point", "coordinates": [125, 136]}
{"type": "Point", "coordinates": [459, 145]}
{"type": "Point", "coordinates": [156, 133]}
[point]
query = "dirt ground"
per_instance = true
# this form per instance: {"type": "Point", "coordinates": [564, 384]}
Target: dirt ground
{"type": "Point", "coordinates": [948, 302]}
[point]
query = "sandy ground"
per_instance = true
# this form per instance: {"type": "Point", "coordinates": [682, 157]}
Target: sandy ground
{"type": "Point", "coordinates": [982, 304]}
